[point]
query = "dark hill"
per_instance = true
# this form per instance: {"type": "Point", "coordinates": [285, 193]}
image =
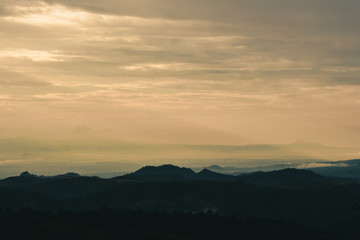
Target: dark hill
{"type": "Point", "coordinates": [161, 173]}
{"type": "Point", "coordinates": [293, 195]}
{"type": "Point", "coordinates": [164, 169]}
{"type": "Point", "coordinates": [48, 192]}
{"type": "Point", "coordinates": [215, 168]}
{"type": "Point", "coordinates": [289, 178]}
{"type": "Point", "coordinates": [68, 175]}
{"type": "Point", "coordinates": [344, 169]}
{"type": "Point", "coordinates": [207, 175]}
{"type": "Point", "coordinates": [286, 178]}
{"type": "Point", "coordinates": [174, 173]}
{"type": "Point", "coordinates": [27, 174]}
{"type": "Point", "coordinates": [112, 225]}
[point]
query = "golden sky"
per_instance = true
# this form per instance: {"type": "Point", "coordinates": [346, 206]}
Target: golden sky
{"type": "Point", "coordinates": [181, 71]}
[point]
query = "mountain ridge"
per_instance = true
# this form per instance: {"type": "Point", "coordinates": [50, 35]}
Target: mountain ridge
{"type": "Point", "coordinates": [294, 195]}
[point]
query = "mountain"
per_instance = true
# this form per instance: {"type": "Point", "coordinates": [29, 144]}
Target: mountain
{"type": "Point", "coordinates": [305, 144]}
{"type": "Point", "coordinates": [161, 173]}
{"type": "Point", "coordinates": [345, 169]}
{"type": "Point", "coordinates": [27, 174]}
{"type": "Point", "coordinates": [174, 173]}
{"type": "Point", "coordinates": [68, 175]}
{"type": "Point", "coordinates": [289, 178]}
{"type": "Point", "coordinates": [285, 178]}
{"type": "Point", "coordinates": [339, 169]}
{"type": "Point", "coordinates": [164, 169]}
{"type": "Point", "coordinates": [216, 168]}
{"type": "Point", "coordinates": [291, 195]}
{"type": "Point", "coordinates": [241, 170]}
{"type": "Point", "coordinates": [207, 175]}
{"type": "Point", "coordinates": [65, 175]}
{"type": "Point", "coordinates": [48, 192]}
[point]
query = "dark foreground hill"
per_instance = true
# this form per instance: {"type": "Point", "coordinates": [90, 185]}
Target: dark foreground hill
{"type": "Point", "coordinates": [297, 196]}
{"type": "Point", "coordinates": [105, 224]}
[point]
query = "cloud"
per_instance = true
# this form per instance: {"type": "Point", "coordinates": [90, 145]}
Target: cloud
{"type": "Point", "coordinates": [322, 165]}
{"type": "Point", "coordinates": [34, 55]}
{"type": "Point", "coordinates": [13, 79]}
{"type": "Point", "coordinates": [271, 65]}
{"type": "Point", "coordinates": [43, 14]}
{"type": "Point", "coordinates": [157, 66]}
{"type": "Point", "coordinates": [316, 17]}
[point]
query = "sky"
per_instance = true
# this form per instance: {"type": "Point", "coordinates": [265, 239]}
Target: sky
{"type": "Point", "coordinates": [225, 72]}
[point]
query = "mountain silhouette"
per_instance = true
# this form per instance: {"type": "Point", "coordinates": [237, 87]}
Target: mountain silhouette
{"type": "Point", "coordinates": [289, 177]}
{"type": "Point", "coordinates": [174, 173]}
{"type": "Point", "coordinates": [344, 169]}
{"type": "Point", "coordinates": [290, 195]}
{"type": "Point", "coordinates": [207, 175]}
{"type": "Point", "coordinates": [215, 168]}
{"type": "Point", "coordinates": [27, 174]}
{"type": "Point", "coordinates": [160, 173]}
{"type": "Point", "coordinates": [164, 169]}
{"type": "Point", "coordinates": [68, 175]}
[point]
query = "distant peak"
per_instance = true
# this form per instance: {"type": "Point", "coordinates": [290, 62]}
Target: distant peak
{"type": "Point", "coordinates": [209, 175]}
{"type": "Point", "coordinates": [27, 174]}
{"type": "Point", "coordinates": [205, 171]}
{"type": "Point", "coordinates": [215, 167]}
{"type": "Point", "coordinates": [68, 175]}
{"type": "Point", "coordinates": [294, 172]}
{"type": "Point", "coordinates": [164, 169]}
{"type": "Point", "coordinates": [301, 142]}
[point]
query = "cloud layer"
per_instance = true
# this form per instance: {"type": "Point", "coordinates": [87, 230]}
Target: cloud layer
{"type": "Point", "coordinates": [224, 72]}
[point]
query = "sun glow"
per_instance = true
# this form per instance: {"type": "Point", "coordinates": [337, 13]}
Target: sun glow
{"type": "Point", "coordinates": [34, 55]}
{"type": "Point", "coordinates": [45, 14]}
